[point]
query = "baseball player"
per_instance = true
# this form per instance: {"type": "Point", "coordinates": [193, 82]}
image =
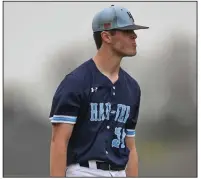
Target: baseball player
{"type": "Point", "coordinates": [95, 108]}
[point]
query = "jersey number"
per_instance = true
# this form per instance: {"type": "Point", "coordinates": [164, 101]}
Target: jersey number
{"type": "Point", "coordinates": [119, 142]}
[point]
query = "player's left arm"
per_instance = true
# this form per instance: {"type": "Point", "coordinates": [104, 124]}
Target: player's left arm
{"type": "Point", "coordinates": [132, 165]}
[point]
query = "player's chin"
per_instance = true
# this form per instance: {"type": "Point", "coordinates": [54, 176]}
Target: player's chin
{"type": "Point", "coordinates": [131, 54]}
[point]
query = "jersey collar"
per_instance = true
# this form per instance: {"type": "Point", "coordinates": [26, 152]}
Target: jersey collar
{"type": "Point", "coordinates": [101, 80]}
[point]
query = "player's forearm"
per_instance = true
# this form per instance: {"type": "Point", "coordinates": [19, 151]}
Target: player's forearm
{"type": "Point", "coordinates": [132, 165]}
{"type": "Point", "coordinates": [58, 159]}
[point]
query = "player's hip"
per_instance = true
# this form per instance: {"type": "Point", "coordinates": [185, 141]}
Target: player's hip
{"type": "Point", "coordinates": [92, 170]}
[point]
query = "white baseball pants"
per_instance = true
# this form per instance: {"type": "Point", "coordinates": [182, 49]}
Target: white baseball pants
{"type": "Point", "coordinates": [76, 170]}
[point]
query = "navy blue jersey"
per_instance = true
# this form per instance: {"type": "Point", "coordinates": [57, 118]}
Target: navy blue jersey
{"type": "Point", "coordinates": [103, 114]}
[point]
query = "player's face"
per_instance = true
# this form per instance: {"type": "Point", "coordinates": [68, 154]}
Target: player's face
{"type": "Point", "coordinates": [124, 43]}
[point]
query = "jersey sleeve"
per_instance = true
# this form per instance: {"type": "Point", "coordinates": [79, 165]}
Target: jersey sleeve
{"type": "Point", "coordinates": [132, 122]}
{"type": "Point", "coordinates": [66, 101]}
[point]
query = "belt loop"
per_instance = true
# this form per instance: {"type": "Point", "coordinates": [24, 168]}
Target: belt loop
{"type": "Point", "coordinates": [92, 164]}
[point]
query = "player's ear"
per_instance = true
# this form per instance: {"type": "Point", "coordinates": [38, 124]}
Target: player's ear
{"type": "Point", "coordinates": [106, 37]}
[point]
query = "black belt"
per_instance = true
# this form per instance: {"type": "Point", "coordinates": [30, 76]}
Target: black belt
{"type": "Point", "coordinates": [103, 166]}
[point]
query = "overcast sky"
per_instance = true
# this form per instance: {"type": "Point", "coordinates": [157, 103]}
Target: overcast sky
{"type": "Point", "coordinates": [33, 31]}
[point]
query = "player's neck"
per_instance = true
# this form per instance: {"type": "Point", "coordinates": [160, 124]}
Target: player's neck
{"type": "Point", "coordinates": [107, 62]}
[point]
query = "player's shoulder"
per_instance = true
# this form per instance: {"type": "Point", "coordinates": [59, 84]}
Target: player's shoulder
{"type": "Point", "coordinates": [130, 80]}
{"type": "Point", "coordinates": [79, 77]}
{"type": "Point", "coordinates": [82, 71]}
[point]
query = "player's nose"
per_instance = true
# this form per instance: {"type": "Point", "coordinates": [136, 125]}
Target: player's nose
{"type": "Point", "coordinates": [134, 35]}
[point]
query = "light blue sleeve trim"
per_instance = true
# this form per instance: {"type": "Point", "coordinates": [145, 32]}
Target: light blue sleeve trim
{"type": "Point", "coordinates": [130, 132]}
{"type": "Point", "coordinates": [63, 119]}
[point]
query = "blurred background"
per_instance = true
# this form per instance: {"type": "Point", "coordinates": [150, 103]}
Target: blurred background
{"type": "Point", "coordinates": [43, 41]}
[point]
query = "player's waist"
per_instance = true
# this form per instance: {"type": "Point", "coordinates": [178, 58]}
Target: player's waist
{"type": "Point", "coordinates": [101, 165]}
